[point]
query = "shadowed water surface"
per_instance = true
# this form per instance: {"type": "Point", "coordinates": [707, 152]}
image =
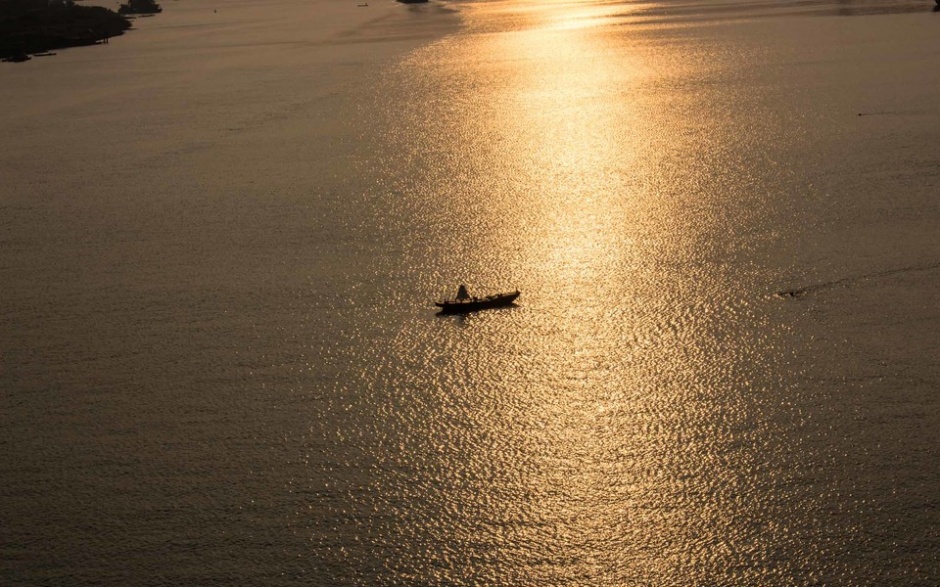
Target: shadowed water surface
{"type": "Point", "coordinates": [226, 367]}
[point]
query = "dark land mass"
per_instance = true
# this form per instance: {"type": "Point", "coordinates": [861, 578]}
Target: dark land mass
{"type": "Point", "coordinates": [36, 26]}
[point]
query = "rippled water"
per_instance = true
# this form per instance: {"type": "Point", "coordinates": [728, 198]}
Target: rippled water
{"type": "Point", "coordinates": [221, 364]}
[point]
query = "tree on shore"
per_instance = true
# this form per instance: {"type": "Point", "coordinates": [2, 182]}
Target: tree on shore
{"type": "Point", "coordinates": [140, 7]}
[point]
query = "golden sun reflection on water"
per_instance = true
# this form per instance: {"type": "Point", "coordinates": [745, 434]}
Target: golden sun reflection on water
{"type": "Point", "coordinates": [603, 431]}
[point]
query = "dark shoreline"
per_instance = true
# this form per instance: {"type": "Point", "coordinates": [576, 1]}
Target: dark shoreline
{"type": "Point", "coordinates": [39, 26]}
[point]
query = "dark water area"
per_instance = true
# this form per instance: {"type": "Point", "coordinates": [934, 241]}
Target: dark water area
{"type": "Point", "coordinates": [220, 362]}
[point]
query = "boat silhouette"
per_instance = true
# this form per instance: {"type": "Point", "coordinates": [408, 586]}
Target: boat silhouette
{"type": "Point", "coordinates": [464, 302]}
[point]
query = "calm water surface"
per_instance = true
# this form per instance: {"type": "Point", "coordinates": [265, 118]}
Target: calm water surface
{"type": "Point", "coordinates": [221, 364]}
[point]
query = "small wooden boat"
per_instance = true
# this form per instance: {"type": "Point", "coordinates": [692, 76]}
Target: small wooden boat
{"type": "Point", "coordinates": [465, 303]}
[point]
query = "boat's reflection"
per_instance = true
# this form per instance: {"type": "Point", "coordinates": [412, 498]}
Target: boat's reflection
{"type": "Point", "coordinates": [463, 316]}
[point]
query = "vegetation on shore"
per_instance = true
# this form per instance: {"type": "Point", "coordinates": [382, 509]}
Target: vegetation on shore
{"type": "Point", "coordinates": [35, 26]}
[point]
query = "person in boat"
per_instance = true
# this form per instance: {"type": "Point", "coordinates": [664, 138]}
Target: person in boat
{"type": "Point", "coordinates": [462, 294]}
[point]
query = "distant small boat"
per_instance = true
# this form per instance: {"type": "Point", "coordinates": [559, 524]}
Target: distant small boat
{"type": "Point", "coordinates": [465, 303]}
